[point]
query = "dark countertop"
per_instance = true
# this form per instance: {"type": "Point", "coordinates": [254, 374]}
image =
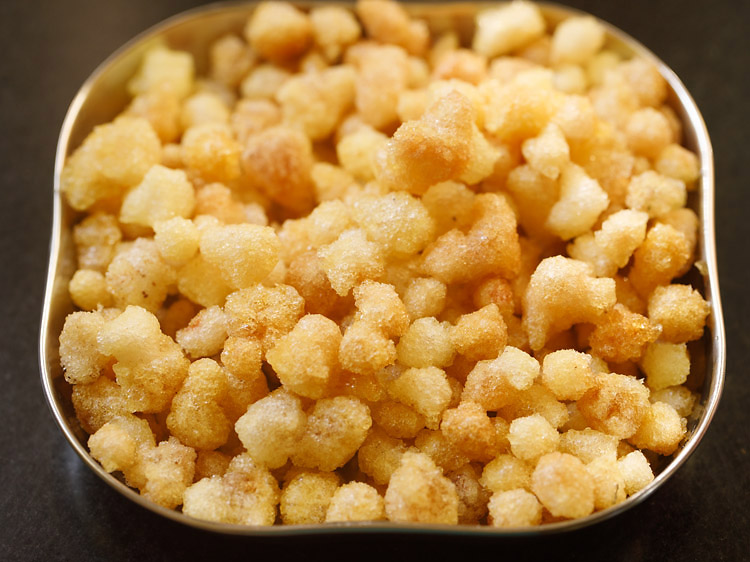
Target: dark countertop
{"type": "Point", "coordinates": [53, 508]}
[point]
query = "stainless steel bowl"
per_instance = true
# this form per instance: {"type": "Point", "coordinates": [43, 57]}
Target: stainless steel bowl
{"type": "Point", "coordinates": [103, 96]}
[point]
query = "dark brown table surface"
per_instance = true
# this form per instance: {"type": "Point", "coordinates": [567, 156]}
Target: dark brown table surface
{"type": "Point", "coordinates": [52, 507]}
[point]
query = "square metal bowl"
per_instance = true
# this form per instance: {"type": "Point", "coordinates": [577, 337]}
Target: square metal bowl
{"type": "Point", "coordinates": [104, 95]}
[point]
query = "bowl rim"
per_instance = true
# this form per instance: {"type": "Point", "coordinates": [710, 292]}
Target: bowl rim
{"type": "Point", "coordinates": [716, 344]}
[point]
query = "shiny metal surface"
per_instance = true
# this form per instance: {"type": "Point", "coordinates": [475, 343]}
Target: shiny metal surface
{"type": "Point", "coordinates": [103, 95]}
